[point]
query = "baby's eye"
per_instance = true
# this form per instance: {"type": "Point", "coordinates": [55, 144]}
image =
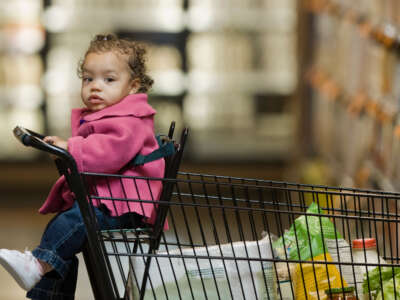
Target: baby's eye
{"type": "Point", "coordinates": [86, 79]}
{"type": "Point", "coordinates": [109, 79]}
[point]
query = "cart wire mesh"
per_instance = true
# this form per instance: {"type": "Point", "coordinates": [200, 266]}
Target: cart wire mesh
{"type": "Point", "coordinates": [239, 238]}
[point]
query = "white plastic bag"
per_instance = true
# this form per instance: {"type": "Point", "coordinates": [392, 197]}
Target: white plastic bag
{"type": "Point", "coordinates": [230, 278]}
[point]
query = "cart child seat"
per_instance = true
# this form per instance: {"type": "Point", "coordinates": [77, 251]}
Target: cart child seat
{"type": "Point", "coordinates": [103, 282]}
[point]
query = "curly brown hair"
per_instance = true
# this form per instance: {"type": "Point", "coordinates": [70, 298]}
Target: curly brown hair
{"type": "Point", "coordinates": [136, 56]}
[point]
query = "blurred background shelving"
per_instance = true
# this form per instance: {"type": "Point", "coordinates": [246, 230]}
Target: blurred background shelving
{"type": "Point", "coordinates": [226, 69]}
{"type": "Point", "coordinates": [22, 37]}
{"type": "Point", "coordinates": [354, 79]}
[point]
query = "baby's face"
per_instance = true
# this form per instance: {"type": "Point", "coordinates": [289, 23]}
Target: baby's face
{"type": "Point", "coordinates": [105, 80]}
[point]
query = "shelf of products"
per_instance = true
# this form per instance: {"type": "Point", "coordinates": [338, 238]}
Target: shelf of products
{"type": "Point", "coordinates": [230, 72]}
{"type": "Point", "coordinates": [21, 68]}
{"type": "Point", "coordinates": [226, 69]}
{"type": "Point", "coordinates": [64, 17]}
{"type": "Point", "coordinates": [354, 78]}
{"type": "Point", "coordinates": [203, 18]}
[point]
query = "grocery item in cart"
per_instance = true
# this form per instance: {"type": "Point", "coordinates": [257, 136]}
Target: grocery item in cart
{"type": "Point", "coordinates": [382, 283]}
{"type": "Point", "coordinates": [226, 271]}
{"type": "Point", "coordinates": [346, 293]}
{"type": "Point", "coordinates": [284, 272]}
{"type": "Point", "coordinates": [364, 251]}
{"type": "Point", "coordinates": [316, 238]}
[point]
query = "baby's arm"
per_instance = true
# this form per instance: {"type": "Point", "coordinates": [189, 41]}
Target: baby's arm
{"type": "Point", "coordinates": [56, 141]}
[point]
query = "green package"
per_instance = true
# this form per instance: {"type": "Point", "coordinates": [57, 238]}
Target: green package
{"type": "Point", "coordinates": [380, 283]}
{"type": "Point", "coordinates": [310, 233]}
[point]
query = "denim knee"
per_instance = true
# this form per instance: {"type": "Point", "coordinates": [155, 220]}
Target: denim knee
{"type": "Point", "coordinates": [62, 239]}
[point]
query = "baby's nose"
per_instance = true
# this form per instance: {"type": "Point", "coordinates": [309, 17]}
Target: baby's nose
{"type": "Point", "coordinates": [95, 85]}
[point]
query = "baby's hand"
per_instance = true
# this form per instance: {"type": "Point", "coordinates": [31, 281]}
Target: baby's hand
{"type": "Point", "coordinates": [56, 141]}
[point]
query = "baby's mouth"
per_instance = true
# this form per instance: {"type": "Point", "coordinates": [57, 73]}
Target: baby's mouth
{"type": "Point", "coordinates": [95, 99]}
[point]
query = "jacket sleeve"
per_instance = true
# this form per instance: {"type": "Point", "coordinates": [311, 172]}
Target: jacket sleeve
{"type": "Point", "coordinates": [113, 144]}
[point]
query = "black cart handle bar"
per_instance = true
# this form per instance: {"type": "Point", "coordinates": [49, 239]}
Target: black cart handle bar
{"type": "Point", "coordinates": [33, 139]}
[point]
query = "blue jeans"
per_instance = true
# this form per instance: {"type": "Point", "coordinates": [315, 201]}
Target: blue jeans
{"type": "Point", "coordinates": [63, 238]}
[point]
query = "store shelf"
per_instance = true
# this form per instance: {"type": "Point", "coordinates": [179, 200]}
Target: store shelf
{"type": "Point", "coordinates": [21, 11]}
{"type": "Point", "coordinates": [242, 82]}
{"type": "Point", "coordinates": [63, 19]}
{"type": "Point", "coordinates": [238, 147]}
{"type": "Point", "coordinates": [59, 19]}
{"type": "Point", "coordinates": [174, 83]}
{"type": "Point", "coordinates": [272, 140]}
{"type": "Point", "coordinates": [354, 80]}
{"type": "Point", "coordinates": [22, 38]}
{"type": "Point", "coordinates": [383, 32]}
{"type": "Point", "coordinates": [201, 19]}
{"type": "Point", "coordinates": [169, 83]}
{"type": "Point", "coordinates": [22, 96]}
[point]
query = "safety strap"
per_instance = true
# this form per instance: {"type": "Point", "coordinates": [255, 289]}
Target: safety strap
{"type": "Point", "coordinates": [166, 148]}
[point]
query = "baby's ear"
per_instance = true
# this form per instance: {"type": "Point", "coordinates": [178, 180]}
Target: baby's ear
{"type": "Point", "coordinates": [135, 86]}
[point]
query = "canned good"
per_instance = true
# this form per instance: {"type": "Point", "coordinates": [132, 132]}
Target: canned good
{"type": "Point", "coordinates": [346, 293]}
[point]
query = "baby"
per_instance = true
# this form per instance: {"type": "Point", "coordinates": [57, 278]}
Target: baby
{"type": "Point", "coordinates": [115, 125]}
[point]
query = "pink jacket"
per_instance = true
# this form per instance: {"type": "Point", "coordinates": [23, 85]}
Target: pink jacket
{"type": "Point", "coordinates": [104, 143]}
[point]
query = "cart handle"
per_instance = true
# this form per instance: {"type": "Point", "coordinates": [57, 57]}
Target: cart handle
{"type": "Point", "coordinates": [33, 139]}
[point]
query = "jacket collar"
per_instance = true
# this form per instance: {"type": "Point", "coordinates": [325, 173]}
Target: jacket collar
{"type": "Point", "coordinates": [132, 105]}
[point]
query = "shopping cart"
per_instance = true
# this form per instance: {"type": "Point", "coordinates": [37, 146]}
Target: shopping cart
{"type": "Point", "coordinates": [239, 238]}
